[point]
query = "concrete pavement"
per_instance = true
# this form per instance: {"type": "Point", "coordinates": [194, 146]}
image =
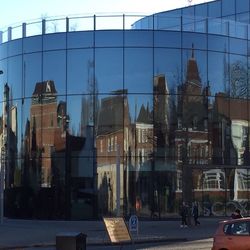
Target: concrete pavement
{"type": "Point", "coordinates": [21, 234]}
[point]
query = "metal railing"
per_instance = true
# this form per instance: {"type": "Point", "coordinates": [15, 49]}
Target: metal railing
{"type": "Point", "coordinates": [125, 22]}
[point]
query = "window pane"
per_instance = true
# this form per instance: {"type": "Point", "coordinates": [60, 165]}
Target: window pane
{"type": "Point", "coordinates": [168, 65]}
{"type": "Point", "coordinates": [54, 69]}
{"type": "Point", "coordinates": [138, 38]}
{"type": "Point", "coordinates": [80, 39]}
{"type": "Point", "coordinates": [228, 7]}
{"type": "Point", "coordinates": [138, 70]}
{"type": "Point", "coordinates": [80, 71]}
{"type": "Point", "coordinates": [50, 42]}
{"type": "Point", "coordinates": [162, 39]}
{"type": "Point", "coordinates": [109, 38]}
{"type": "Point", "coordinates": [108, 70]}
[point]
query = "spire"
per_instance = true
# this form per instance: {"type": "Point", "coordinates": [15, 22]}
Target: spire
{"type": "Point", "coordinates": [192, 69]}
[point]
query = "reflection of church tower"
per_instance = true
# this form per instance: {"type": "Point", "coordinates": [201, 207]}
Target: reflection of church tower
{"type": "Point", "coordinates": [44, 129]}
{"type": "Point", "coordinates": [192, 143]}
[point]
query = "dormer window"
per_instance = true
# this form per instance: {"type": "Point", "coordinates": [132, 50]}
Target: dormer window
{"type": "Point", "coordinates": [48, 87]}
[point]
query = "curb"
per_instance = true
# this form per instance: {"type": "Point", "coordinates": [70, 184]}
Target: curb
{"type": "Point", "coordinates": [104, 243]}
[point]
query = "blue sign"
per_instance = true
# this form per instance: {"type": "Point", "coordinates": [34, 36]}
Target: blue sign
{"type": "Point", "coordinates": [133, 223]}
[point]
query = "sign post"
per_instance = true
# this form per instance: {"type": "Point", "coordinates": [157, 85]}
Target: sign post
{"type": "Point", "coordinates": [133, 224]}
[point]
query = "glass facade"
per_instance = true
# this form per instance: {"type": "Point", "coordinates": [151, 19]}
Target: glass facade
{"type": "Point", "coordinates": [107, 122]}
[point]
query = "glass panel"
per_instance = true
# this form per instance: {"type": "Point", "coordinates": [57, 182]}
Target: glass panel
{"type": "Point", "coordinates": [218, 73]}
{"type": "Point", "coordinates": [80, 39]}
{"type": "Point", "coordinates": [80, 71]}
{"type": "Point", "coordinates": [213, 183]}
{"type": "Point", "coordinates": [54, 69]}
{"type": "Point", "coordinates": [166, 21]}
{"type": "Point", "coordinates": [112, 128]}
{"type": "Point", "coordinates": [198, 191]}
{"type": "Point", "coordinates": [14, 79]}
{"type": "Point", "coordinates": [32, 70]}
{"type": "Point", "coordinates": [138, 149]}
{"type": "Point", "coordinates": [222, 145]}
{"type": "Point", "coordinates": [201, 10]}
{"type": "Point", "coordinates": [162, 39]}
{"type": "Point", "coordinates": [188, 23]}
{"type": "Point", "coordinates": [195, 67]}
{"type": "Point", "coordinates": [108, 70]}
{"type": "Point", "coordinates": [168, 66]}
{"type": "Point", "coordinates": [244, 17]}
{"type": "Point", "coordinates": [238, 46]}
{"type": "Point", "coordinates": [15, 48]}
{"type": "Point", "coordinates": [3, 50]}
{"type": "Point", "coordinates": [238, 30]}
{"type": "Point", "coordinates": [50, 42]}
{"type": "Point", "coordinates": [32, 44]}
{"type": "Point", "coordinates": [228, 7]}
{"type": "Point", "coordinates": [189, 40]}
{"type": "Point", "coordinates": [242, 6]}
{"type": "Point", "coordinates": [189, 11]}
{"type": "Point", "coordinates": [80, 136]}
{"type": "Point", "coordinates": [138, 75]}
{"type": "Point", "coordinates": [214, 9]}
{"type": "Point", "coordinates": [109, 38]}
{"type": "Point", "coordinates": [217, 43]}
{"type": "Point", "coordinates": [138, 38]}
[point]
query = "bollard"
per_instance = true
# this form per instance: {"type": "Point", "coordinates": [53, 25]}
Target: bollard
{"type": "Point", "coordinates": [71, 241]}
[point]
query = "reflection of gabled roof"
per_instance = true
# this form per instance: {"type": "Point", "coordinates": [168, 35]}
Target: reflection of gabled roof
{"type": "Point", "coordinates": [46, 87]}
{"type": "Point", "coordinates": [144, 116]}
{"type": "Point", "coordinates": [111, 114]}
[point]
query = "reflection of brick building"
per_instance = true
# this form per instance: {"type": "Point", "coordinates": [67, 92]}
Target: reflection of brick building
{"type": "Point", "coordinates": [47, 128]}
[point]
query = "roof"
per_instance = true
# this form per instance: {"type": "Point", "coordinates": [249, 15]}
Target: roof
{"type": "Point", "coordinates": [45, 87]}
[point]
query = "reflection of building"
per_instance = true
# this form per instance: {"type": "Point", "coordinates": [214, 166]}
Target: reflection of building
{"type": "Point", "coordinates": [232, 140]}
{"type": "Point", "coordinates": [112, 135]}
{"type": "Point", "coordinates": [8, 142]}
{"type": "Point", "coordinates": [189, 136]}
{"type": "Point", "coordinates": [47, 127]}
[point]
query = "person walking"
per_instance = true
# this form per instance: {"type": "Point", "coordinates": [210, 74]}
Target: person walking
{"type": "Point", "coordinates": [195, 213]}
{"type": "Point", "coordinates": [184, 214]}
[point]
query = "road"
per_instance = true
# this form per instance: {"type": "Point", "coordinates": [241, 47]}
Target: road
{"type": "Point", "coordinates": [205, 244]}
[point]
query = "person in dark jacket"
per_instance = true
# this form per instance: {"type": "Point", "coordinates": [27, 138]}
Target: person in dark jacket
{"type": "Point", "coordinates": [195, 213]}
{"type": "Point", "coordinates": [236, 214]}
{"type": "Point", "coordinates": [184, 214]}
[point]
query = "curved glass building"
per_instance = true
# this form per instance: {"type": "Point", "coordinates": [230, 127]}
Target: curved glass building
{"type": "Point", "coordinates": [100, 120]}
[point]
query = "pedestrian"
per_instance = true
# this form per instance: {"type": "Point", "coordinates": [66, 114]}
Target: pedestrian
{"type": "Point", "coordinates": [195, 213]}
{"type": "Point", "coordinates": [236, 214]}
{"type": "Point", "coordinates": [184, 214]}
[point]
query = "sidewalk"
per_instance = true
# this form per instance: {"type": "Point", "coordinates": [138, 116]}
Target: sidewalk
{"type": "Point", "coordinates": [33, 233]}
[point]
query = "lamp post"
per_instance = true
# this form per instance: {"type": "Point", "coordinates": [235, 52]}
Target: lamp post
{"type": "Point", "coordinates": [1, 181]}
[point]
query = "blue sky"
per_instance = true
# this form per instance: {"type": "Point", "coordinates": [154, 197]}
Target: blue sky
{"type": "Point", "coordinates": [15, 12]}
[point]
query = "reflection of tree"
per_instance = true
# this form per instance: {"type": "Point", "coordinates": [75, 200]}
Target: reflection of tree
{"type": "Point", "coordinates": [238, 80]}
